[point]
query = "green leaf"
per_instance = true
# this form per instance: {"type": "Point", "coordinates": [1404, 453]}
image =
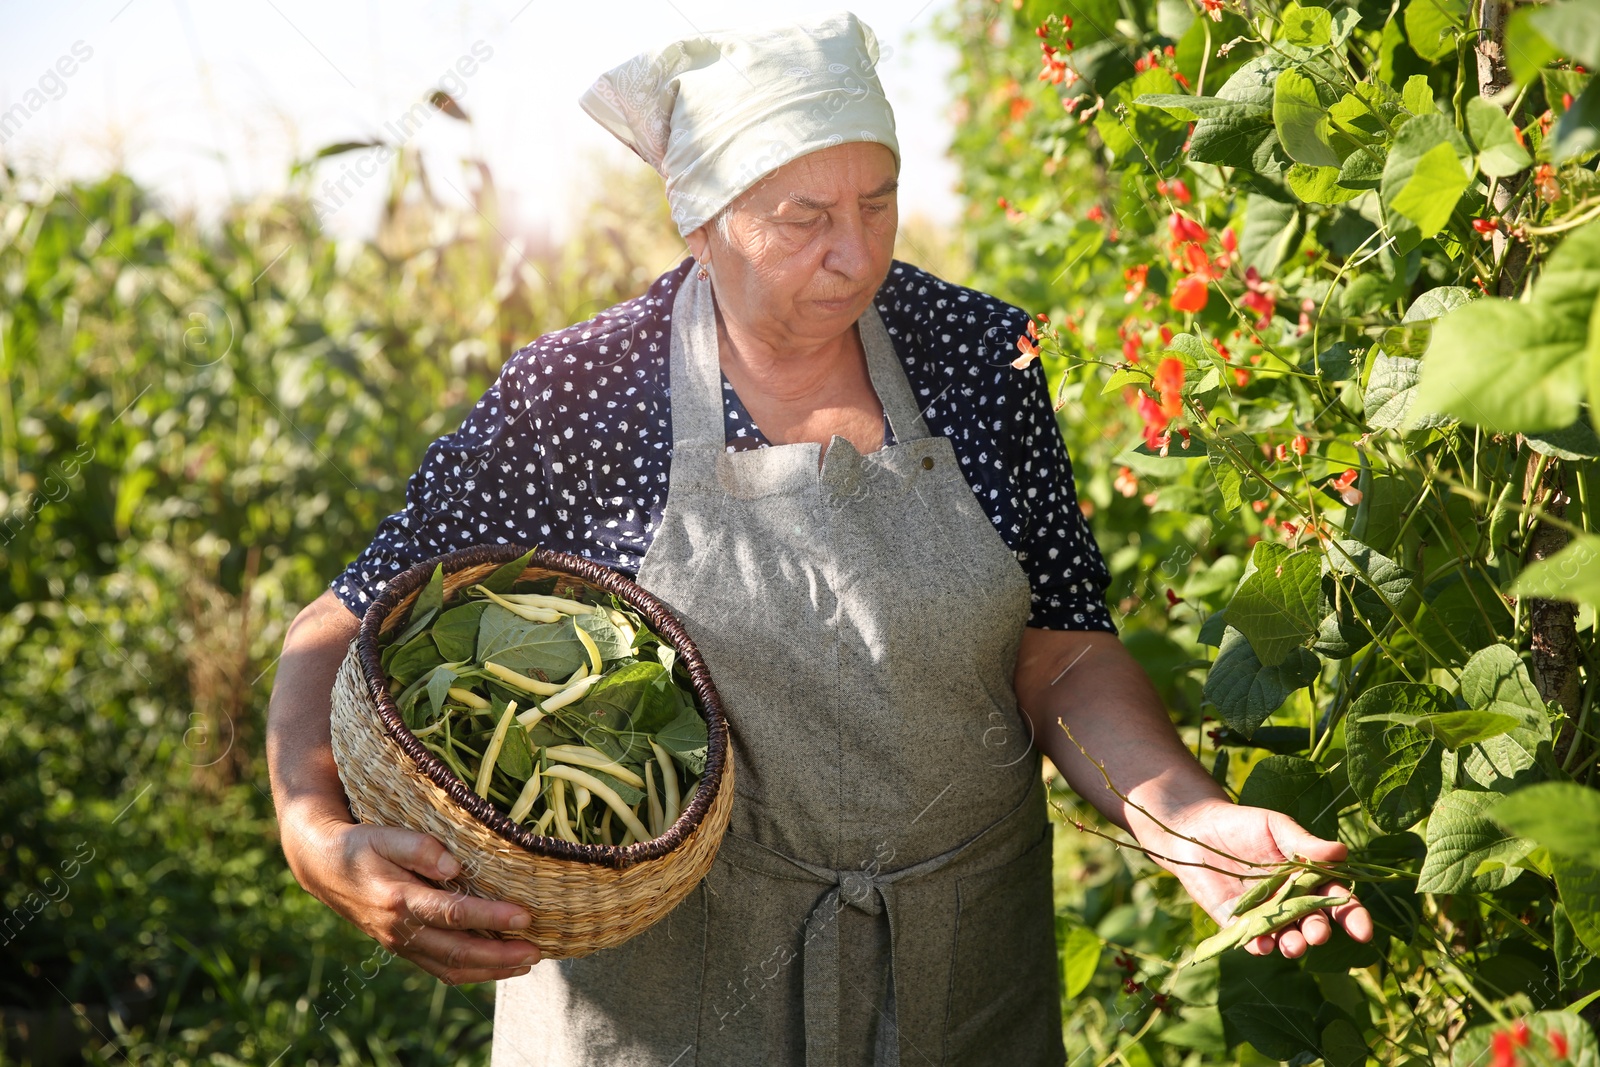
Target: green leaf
{"type": "Point", "coordinates": [431, 598]}
{"type": "Point", "coordinates": [1229, 480]}
{"type": "Point", "coordinates": [1358, 579]}
{"type": "Point", "coordinates": [506, 576]}
{"type": "Point", "coordinates": [1079, 951]}
{"type": "Point", "coordinates": [551, 648]}
{"type": "Point", "coordinates": [1342, 1045]}
{"type": "Point", "coordinates": [1301, 120]}
{"type": "Point", "coordinates": [1427, 170]}
{"type": "Point", "coordinates": [1571, 574]}
{"type": "Point", "coordinates": [1578, 441]}
{"type": "Point", "coordinates": [1561, 816]}
{"type": "Point", "coordinates": [439, 683]}
{"type": "Point", "coordinates": [1494, 134]}
{"type": "Point", "coordinates": [456, 632]}
{"type": "Point", "coordinates": [1578, 883]}
{"type": "Point", "coordinates": [1155, 131]}
{"type": "Point", "coordinates": [629, 794]}
{"type": "Point", "coordinates": [1527, 50]}
{"type": "Point", "coordinates": [1271, 230]}
{"type": "Point", "coordinates": [1338, 362]}
{"type": "Point", "coordinates": [1461, 613]}
{"type": "Point", "coordinates": [1276, 605]}
{"type": "Point", "coordinates": [1432, 26]}
{"type": "Point", "coordinates": [1497, 674]}
{"type": "Point", "coordinates": [1270, 1002]}
{"type": "Point", "coordinates": [1296, 787]}
{"type": "Point", "coordinates": [1391, 391]}
{"type": "Point", "coordinates": [1395, 770]}
{"type": "Point", "coordinates": [1577, 132]}
{"type": "Point", "coordinates": [639, 696]}
{"type": "Point", "coordinates": [1453, 729]}
{"type": "Point", "coordinates": [415, 626]}
{"type": "Point", "coordinates": [1363, 170]}
{"type": "Point", "coordinates": [1190, 108]}
{"type": "Point", "coordinates": [1306, 27]}
{"type": "Point", "coordinates": [1462, 839]}
{"type": "Point", "coordinates": [1318, 185]}
{"type": "Point", "coordinates": [516, 754]}
{"type": "Point", "coordinates": [1231, 136]}
{"type": "Point", "coordinates": [607, 638]}
{"type": "Point", "coordinates": [685, 737]}
{"type": "Point", "coordinates": [1573, 26]}
{"type": "Point", "coordinates": [415, 658]}
{"type": "Point", "coordinates": [1465, 371]}
{"type": "Point", "coordinates": [1417, 96]}
{"type": "Point", "coordinates": [1243, 691]}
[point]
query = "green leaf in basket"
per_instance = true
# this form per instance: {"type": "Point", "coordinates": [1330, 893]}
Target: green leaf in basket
{"type": "Point", "coordinates": [431, 599]}
{"type": "Point", "coordinates": [551, 730]}
{"type": "Point", "coordinates": [630, 795]}
{"type": "Point", "coordinates": [639, 696]}
{"type": "Point", "coordinates": [456, 631]}
{"type": "Point", "coordinates": [416, 658]}
{"type": "Point", "coordinates": [439, 683]}
{"type": "Point", "coordinates": [686, 739]}
{"type": "Point", "coordinates": [607, 638]}
{"type": "Point", "coordinates": [516, 755]}
{"type": "Point", "coordinates": [404, 637]}
{"type": "Point", "coordinates": [550, 648]}
{"type": "Point", "coordinates": [502, 580]}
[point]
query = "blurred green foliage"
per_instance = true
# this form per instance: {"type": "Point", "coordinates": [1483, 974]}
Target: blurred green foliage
{"type": "Point", "coordinates": [199, 428]}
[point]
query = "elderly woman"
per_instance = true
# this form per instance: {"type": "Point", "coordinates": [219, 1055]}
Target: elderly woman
{"type": "Point", "coordinates": [823, 461]}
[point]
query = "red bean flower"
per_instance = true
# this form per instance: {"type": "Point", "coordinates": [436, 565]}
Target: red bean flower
{"type": "Point", "coordinates": [1028, 347]}
{"type": "Point", "coordinates": [1190, 294]}
{"type": "Point", "coordinates": [1502, 1051]}
{"type": "Point", "coordinates": [1169, 381]}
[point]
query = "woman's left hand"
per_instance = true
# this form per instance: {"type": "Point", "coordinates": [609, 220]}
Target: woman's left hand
{"type": "Point", "coordinates": [1218, 834]}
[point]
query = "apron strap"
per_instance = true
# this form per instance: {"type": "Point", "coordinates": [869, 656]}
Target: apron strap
{"type": "Point", "coordinates": [695, 382]}
{"type": "Point", "coordinates": [889, 378]}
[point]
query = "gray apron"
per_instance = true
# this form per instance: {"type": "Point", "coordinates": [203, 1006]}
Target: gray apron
{"type": "Point", "coordinates": [883, 895]}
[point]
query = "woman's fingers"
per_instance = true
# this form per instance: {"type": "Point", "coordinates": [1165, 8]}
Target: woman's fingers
{"type": "Point", "coordinates": [1315, 929]}
{"type": "Point", "coordinates": [461, 911]}
{"type": "Point", "coordinates": [414, 851]}
{"type": "Point", "coordinates": [370, 875]}
{"type": "Point", "coordinates": [1291, 943]}
{"type": "Point", "coordinates": [453, 955]}
{"type": "Point", "coordinates": [1356, 920]}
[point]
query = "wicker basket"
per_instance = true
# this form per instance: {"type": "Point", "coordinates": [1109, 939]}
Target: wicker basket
{"type": "Point", "coordinates": [581, 897]}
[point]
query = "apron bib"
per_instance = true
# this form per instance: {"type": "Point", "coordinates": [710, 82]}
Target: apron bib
{"type": "Point", "coordinates": [883, 894]}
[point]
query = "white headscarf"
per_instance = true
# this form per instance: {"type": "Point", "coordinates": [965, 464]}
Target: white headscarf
{"type": "Point", "coordinates": [715, 113]}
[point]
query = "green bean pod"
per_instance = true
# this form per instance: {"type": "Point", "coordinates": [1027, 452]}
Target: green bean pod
{"type": "Point", "coordinates": [1266, 919]}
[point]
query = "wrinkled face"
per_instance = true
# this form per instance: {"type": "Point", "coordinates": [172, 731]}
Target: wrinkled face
{"type": "Point", "coordinates": [807, 246]}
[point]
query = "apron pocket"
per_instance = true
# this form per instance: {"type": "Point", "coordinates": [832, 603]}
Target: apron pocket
{"type": "Point", "coordinates": [1005, 997]}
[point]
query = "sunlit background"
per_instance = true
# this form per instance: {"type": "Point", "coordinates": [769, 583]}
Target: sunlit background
{"type": "Point", "coordinates": [206, 102]}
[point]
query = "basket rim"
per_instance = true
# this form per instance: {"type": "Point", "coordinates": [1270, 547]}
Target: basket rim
{"type": "Point", "coordinates": [412, 580]}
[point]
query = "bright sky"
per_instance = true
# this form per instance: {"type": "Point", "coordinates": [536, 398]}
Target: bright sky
{"type": "Point", "coordinates": [206, 101]}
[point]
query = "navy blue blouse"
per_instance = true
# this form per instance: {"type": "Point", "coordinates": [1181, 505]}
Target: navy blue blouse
{"type": "Point", "coordinates": [571, 447]}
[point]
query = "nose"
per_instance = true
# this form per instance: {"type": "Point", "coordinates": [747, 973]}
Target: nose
{"type": "Point", "coordinates": [850, 246]}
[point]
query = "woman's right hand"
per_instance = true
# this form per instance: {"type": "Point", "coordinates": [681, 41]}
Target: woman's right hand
{"type": "Point", "coordinates": [369, 875]}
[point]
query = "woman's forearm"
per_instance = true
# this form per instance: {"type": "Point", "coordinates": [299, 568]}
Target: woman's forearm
{"type": "Point", "coordinates": [1088, 683]}
{"type": "Point", "coordinates": [305, 780]}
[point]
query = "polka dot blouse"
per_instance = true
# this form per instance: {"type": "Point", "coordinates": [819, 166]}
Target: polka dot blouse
{"type": "Point", "coordinates": [571, 447]}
